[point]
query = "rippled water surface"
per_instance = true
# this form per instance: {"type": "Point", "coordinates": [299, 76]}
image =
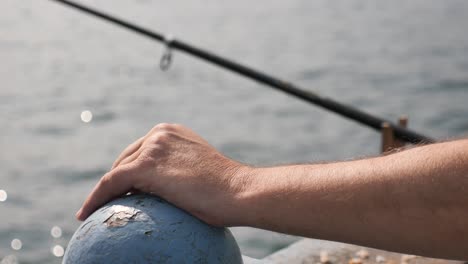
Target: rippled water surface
{"type": "Point", "coordinates": [385, 57]}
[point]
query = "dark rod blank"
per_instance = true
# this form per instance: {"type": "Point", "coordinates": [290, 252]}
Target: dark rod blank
{"type": "Point", "coordinates": [350, 112]}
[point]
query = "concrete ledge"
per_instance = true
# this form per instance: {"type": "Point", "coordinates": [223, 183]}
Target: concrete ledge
{"type": "Point", "coordinates": [315, 251]}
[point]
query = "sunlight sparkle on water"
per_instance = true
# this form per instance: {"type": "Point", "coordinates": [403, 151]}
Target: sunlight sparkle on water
{"type": "Point", "coordinates": [56, 232]}
{"type": "Point", "coordinates": [16, 244]}
{"type": "Point", "coordinates": [58, 251]}
{"type": "Point", "coordinates": [3, 195]}
{"type": "Point", "coordinates": [86, 116]}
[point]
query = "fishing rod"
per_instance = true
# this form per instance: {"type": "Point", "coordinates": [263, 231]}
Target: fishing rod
{"type": "Point", "coordinates": [350, 112]}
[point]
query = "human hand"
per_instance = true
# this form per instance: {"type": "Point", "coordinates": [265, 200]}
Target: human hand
{"type": "Point", "coordinates": [173, 162]}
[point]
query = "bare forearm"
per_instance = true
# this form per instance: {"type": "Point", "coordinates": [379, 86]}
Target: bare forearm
{"type": "Point", "coordinates": [414, 201]}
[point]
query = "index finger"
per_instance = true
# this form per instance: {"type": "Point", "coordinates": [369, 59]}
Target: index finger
{"type": "Point", "coordinates": [128, 151]}
{"type": "Point", "coordinates": [111, 185]}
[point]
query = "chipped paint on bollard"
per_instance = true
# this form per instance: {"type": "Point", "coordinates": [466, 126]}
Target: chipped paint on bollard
{"type": "Point", "coordinates": [146, 229]}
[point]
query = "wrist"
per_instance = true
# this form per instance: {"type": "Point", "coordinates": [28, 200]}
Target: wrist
{"type": "Point", "coordinates": [245, 189]}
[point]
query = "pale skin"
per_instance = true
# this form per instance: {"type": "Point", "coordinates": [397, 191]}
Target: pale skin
{"type": "Point", "coordinates": [414, 201]}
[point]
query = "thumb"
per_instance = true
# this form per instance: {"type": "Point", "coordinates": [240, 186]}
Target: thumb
{"type": "Point", "coordinates": [111, 185]}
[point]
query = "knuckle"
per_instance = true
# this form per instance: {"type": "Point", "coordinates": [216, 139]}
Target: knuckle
{"type": "Point", "coordinates": [107, 179]}
{"type": "Point", "coordinates": [164, 127]}
{"type": "Point", "coordinates": [178, 126]}
{"type": "Point", "coordinates": [161, 137]}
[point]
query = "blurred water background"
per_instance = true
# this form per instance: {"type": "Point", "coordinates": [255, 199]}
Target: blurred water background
{"type": "Point", "coordinates": [385, 57]}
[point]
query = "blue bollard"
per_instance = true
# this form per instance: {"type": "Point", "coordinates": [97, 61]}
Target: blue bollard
{"type": "Point", "coordinates": [147, 229]}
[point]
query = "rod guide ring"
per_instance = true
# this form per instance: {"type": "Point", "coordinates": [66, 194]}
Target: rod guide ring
{"type": "Point", "coordinates": [166, 58]}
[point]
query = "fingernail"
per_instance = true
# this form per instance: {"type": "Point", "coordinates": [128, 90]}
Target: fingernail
{"type": "Point", "coordinates": [78, 214]}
